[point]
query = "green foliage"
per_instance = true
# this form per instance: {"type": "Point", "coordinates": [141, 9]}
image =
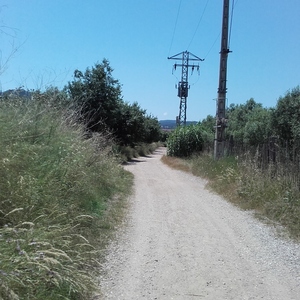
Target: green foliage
{"type": "Point", "coordinates": [208, 125]}
{"type": "Point", "coordinates": [249, 123]}
{"type": "Point", "coordinates": [56, 188]}
{"type": "Point", "coordinates": [135, 126]}
{"type": "Point", "coordinates": [132, 125]}
{"type": "Point", "coordinates": [257, 128]}
{"type": "Point", "coordinates": [286, 116]}
{"type": "Point", "coordinates": [185, 140]}
{"type": "Point", "coordinates": [97, 95]}
{"type": "Point", "coordinates": [152, 129]}
{"type": "Point", "coordinates": [164, 135]}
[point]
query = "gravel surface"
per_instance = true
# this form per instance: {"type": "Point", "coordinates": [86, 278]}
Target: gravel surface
{"type": "Point", "coordinates": [183, 242]}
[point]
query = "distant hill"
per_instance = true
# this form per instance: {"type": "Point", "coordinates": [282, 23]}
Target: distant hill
{"type": "Point", "coordinates": [167, 124]}
{"type": "Point", "coordinates": [171, 124]}
{"type": "Point", "coordinates": [17, 93]}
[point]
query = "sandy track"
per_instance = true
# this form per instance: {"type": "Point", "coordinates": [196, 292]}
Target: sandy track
{"type": "Point", "coordinates": [183, 242]}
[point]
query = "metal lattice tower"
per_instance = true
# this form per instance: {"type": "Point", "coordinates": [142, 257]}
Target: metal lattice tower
{"type": "Point", "coordinates": [183, 85]}
{"type": "Point", "coordinates": [220, 118]}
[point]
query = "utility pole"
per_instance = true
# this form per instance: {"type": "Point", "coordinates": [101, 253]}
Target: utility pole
{"type": "Point", "coordinates": [220, 117]}
{"type": "Point", "coordinates": [183, 86]}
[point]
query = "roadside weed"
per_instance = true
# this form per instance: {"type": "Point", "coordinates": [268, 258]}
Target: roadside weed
{"type": "Point", "coordinates": [57, 190]}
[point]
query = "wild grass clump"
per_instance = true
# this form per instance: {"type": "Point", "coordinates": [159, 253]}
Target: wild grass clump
{"type": "Point", "coordinates": [127, 153]}
{"type": "Point", "coordinates": [144, 149]}
{"type": "Point", "coordinates": [56, 190]}
{"type": "Point", "coordinates": [242, 182]}
{"type": "Point", "coordinates": [270, 193]}
{"type": "Point", "coordinates": [176, 163]}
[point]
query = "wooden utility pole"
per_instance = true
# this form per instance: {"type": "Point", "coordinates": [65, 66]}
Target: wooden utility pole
{"type": "Point", "coordinates": [220, 117]}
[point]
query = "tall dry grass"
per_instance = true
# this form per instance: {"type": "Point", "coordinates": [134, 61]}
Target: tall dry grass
{"type": "Point", "coordinates": [60, 196]}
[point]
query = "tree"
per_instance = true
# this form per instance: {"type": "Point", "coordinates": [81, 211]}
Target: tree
{"type": "Point", "coordinates": [131, 124]}
{"type": "Point", "coordinates": [258, 128]}
{"type": "Point", "coordinates": [135, 126]}
{"type": "Point", "coordinates": [249, 123]}
{"type": "Point", "coordinates": [97, 95]}
{"type": "Point", "coordinates": [153, 131]}
{"type": "Point", "coordinates": [208, 126]}
{"type": "Point", "coordinates": [286, 116]}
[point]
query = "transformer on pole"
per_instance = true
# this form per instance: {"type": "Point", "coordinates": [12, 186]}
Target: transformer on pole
{"type": "Point", "coordinates": [220, 117]}
{"type": "Point", "coordinates": [183, 86]}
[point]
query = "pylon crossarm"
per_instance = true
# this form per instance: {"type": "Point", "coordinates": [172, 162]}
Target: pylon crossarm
{"type": "Point", "coordinates": [192, 56]}
{"type": "Point", "coordinates": [176, 56]}
{"type": "Point", "coordinates": [195, 58]}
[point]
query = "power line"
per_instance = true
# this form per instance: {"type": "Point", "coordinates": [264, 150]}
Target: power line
{"type": "Point", "coordinates": [198, 25]}
{"type": "Point", "coordinates": [234, 3]}
{"type": "Point", "coordinates": [230, 27]}
{"type": "Point", "coordinates": [213, 44]}
{"type": "Point", "coordinates": [175, 27]}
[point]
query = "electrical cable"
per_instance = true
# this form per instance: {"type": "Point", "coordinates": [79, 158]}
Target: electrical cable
{"type": "Point", "coordinates": [217, 38]}
{"type": "Point", "coordinates": [198, 25]}
{"type": "Point", "coordinates": [230, 26]}
{"type": "Point", "coordinates": [175, 27]}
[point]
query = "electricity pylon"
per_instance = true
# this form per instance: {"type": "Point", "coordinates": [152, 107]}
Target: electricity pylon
{"type": "Point", "coordinates": [220, 117]}
{"type": "Point", "coordinates": [183, 85]}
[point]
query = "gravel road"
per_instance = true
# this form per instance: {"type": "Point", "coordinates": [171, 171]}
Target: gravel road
{"type": "Point", "coordinates": [183, 242]}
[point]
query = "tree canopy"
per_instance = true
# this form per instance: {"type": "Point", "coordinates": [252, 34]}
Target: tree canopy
{"type": "Point", "coordinates": [249, 123]}
{"type": "Point", "coordinates": [286, 116]}
{"type": "Point", "coordinates": [252, 124]}
{"type": "Point", "coordinates": [98, 97]}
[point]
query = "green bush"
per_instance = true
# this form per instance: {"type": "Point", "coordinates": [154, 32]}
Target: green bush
{"type": "Point", "coordinates": [185, 140]}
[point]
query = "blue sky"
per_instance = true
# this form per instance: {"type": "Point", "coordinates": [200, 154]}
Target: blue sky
{"type": "Point", "coordinates": [53, 38]}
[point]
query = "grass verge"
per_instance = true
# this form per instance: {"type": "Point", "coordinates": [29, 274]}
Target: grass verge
{"type": "Point", "coordinates": [241, 182]}
{"type": "Point", "coordinates": [61, 196]}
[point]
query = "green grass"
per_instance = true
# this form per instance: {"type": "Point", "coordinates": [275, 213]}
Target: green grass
{"type": "Point", "coordinates": [61, 195]}
{"type": "Point", "coordinates": [240, 181]}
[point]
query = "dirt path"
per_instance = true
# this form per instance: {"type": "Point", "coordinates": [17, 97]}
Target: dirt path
{"type": "Point", "coordinates": [183, 242]}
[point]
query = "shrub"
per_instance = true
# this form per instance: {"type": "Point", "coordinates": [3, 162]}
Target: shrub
{"type": "Point", "coordinates": [184, 141]}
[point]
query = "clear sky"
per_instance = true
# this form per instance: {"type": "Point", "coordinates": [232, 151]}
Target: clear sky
{"type": "Point", "coordinates": [55, 37]}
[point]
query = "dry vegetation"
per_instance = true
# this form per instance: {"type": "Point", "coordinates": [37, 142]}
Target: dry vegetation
{"type": "Point", "coordinates": [275, 198]}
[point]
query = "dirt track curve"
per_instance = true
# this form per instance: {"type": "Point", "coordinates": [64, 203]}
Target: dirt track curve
{"type": "Point", "coordinates": [183, 242]}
